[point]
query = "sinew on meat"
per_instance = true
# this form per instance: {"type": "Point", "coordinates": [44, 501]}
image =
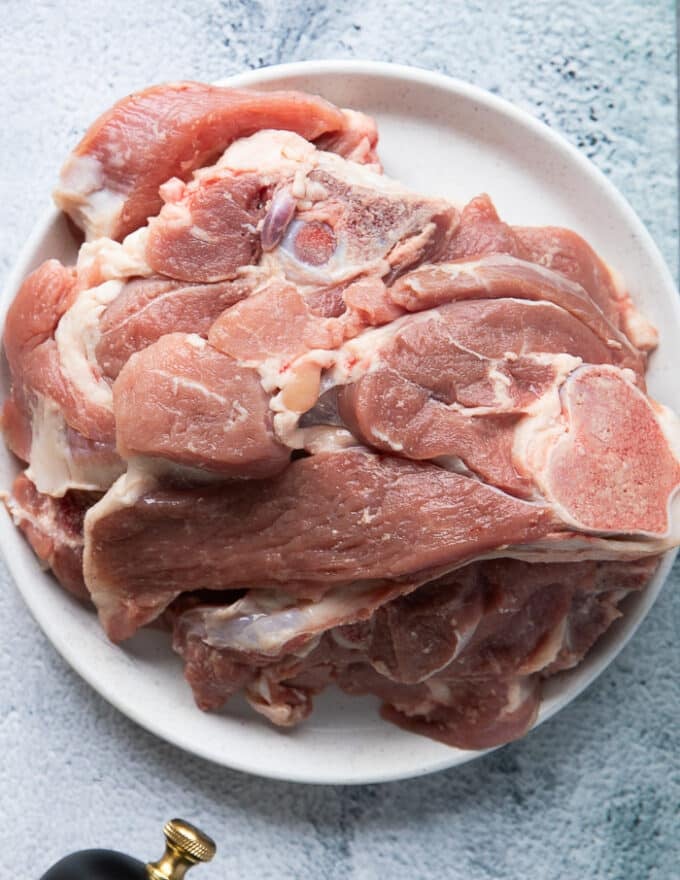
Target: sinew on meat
{"type": "Point", "coordinates": [329, 430]}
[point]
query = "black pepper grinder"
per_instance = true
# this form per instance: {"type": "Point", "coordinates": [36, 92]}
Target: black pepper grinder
{"type": "Point", "coordinates": [185, 846]}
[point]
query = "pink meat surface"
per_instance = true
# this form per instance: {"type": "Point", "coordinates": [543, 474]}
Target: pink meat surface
{"type": "Point", "coordinates": [496, 276]}
{"type": "Point", "coordinates": [322, 219]}
{"type": "Point", "coordinates": [33, 355]}
{"type": "Point", "coordinates": [109, 185]}
{"type": "Point", "coordinates": [212, 233]}
{"type": "Point", "coordinates": [35, 312]}
{"type": "Point", "coordinates": [328, 519]}
{"type": "Point", "coordinates": [613, 470]}
{"type": "Point", "coordinates": [458, 383]}
{"type": "Point", "coordinates": [356, 140]}
{"type": "Point", "coordinates": [328, 429]}
{"type": "Point", "coordinates": [460, 659]}
{"type": "Point", "coordinates": [276, 322]}
{"type": "Point", "coordinates": [481, 231]}
{"type": "Point", "coordinates": [54, 528]}
{"type": "Point", "coordinates": [182, 401]}
{"type": "Point", "coordinates": [148, 308]}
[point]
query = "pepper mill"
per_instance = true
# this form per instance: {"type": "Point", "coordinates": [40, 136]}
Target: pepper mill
{"type": "Point", "coordinates": [185, 846]}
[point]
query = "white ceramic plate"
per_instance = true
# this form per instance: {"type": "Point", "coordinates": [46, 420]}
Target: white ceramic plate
{"type": "Point", "coordinates": [443, 137]}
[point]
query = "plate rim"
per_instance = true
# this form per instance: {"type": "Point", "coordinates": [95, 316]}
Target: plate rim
{"type": "Point", "coordinates": [8, 531]}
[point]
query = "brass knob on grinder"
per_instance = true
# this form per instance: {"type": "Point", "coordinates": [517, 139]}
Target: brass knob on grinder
{"type": "Point", "coordinates": [185, 846]}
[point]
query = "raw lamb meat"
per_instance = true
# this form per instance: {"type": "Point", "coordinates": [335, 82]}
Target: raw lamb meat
{"type": "Point", "coordinates": [109, 185]}
{"type": "Point", "coordinates": [58, 416]}
{"type": "Point", "coordinates": [90, 322]}
{"type": "Point", "coordinates": [184, 401]}
{"type": "Point", "coordinates": [320, 218]}
{"type": "Point", "coordinates": [329, 430]}
{"type": "Point", "coordinates": [460, 659]}
{"type": "Point", "coordinates": [331, 518]}
{"type": "Point", "coordinates": [54, 528]}
{"type": "Point", "coordinates": [482, 232]}
{"type": "Point", "coordinates": [148, 308]}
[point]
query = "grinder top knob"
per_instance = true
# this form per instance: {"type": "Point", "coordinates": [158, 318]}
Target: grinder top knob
{"type": "Point", "coordinates": [185, 846]}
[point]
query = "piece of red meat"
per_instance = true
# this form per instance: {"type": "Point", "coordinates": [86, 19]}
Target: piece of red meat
{"type": "Point", "coordinates": [495, 276]}
{"type": "Point", "coordinates": [148, 308]}
{"type": "Point", "coordinates": [460, 659]}
{"type": "Point", "coordinates": [327, 519]}
{"type": "Point", "coordinates": [182, 401]}
{"type": "Point", "coordinates": [329, 429]}
{"type": "Point", "coordinates": [54, 528]}
{"type": "Point", "coordinates": [109, 185]}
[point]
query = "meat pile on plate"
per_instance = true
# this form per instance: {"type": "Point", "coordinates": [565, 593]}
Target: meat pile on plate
{"type": "Point", "coordinates": [329, 429]}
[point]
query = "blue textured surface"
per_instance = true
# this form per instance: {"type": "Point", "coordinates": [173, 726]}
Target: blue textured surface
{"type": "Point", "coordinates": [595, 793]}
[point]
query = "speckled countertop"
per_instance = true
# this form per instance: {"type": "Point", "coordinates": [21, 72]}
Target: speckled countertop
{"type": "Point", "coordinates": [595, 793]}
